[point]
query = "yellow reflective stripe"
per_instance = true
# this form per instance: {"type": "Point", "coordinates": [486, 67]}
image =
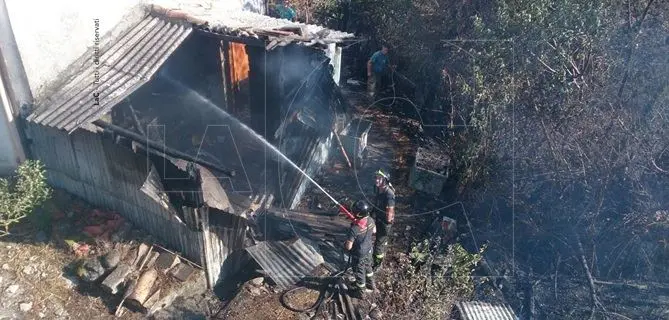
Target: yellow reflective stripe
{"type": "Point", "coordinates": [379, 256]}
{"type": "Point", "coordinates": [369, 275]}
{"type": "Point", "coordinates": [360, 285]}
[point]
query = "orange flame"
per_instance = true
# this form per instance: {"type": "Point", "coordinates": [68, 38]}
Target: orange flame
{"type": "Point", "coordinates": [239, 64]}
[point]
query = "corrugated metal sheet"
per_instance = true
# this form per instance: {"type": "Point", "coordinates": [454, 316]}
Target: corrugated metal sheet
{"type": "Point", "coordinates": [217, 17]}
{"type": "Point", "coordinates": [478, 310]}
{"type": "Point", "coordinates": [224, 242]}
{"type": "Point", "coordinates": [286, 262]}
{"type": "Point", "coordinates": [323, 229]}
{"type": "Point", "coordinates": [125, 63]}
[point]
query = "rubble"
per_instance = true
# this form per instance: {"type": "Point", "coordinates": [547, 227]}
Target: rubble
{"type": "Point", "coordinates": [12, 289]}
{"type": "Point", "coordinates": [26, 306]}
{"type": "Point", "coordinates": [34, 286]}
{"type": "Point", "coordinates": [102, 224]}
{"type": "Point", "coordinates": [91, 270]}
{"type": "Point", "coordinates": [111, 259]}
{"type": "Point", "coordinates": [258, 281]}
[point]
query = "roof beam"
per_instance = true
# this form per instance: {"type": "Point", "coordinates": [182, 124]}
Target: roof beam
{"type": "Point", "coordinates": [245, 40]}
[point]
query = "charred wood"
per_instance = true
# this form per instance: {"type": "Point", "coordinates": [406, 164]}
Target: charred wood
{"type": "Point", "coordinates": [160, 147]}
{"type": "Point", "coordinates": [591, 282]}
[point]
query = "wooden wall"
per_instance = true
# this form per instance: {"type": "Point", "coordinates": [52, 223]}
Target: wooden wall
{"type": "Point", "coordinates": [110, 176]}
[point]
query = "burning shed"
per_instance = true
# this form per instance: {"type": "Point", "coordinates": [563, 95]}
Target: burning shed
{"type": "Point", "coordinates": [176, 119]}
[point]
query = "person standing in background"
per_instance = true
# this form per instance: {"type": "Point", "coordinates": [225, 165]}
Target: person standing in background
{"type": "Point", "coordinates": [377, 69]}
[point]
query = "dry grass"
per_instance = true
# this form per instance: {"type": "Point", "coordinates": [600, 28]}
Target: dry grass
{"type": "Point", "coordinates": [245, 306]}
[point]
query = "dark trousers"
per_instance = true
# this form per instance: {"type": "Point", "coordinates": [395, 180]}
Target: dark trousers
{"type": "Point", "coordinates": [377, 83]}
{"type": "Point", "coordinates": [383, 229]}
{"type": "Point", "coordinates": [362, 268]}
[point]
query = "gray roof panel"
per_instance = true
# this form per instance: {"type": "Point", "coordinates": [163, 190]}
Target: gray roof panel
{"type": "Point", "coordinates": [125, 63]}
{"type": "Point", "coordinates": [286, 262]}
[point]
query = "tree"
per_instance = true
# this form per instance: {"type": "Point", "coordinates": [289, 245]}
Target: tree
{"type": "Point", "coordinates": [21, 194]}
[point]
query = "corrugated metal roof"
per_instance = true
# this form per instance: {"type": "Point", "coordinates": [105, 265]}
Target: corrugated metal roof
{"type": "Point", "coordinates": [326, 231]}
{"type": "Point", "coordinates": [219, 17]}
{"type": "Point", "coordinates": [125, 63]}
{"type": "Point", "coordinates": [286, 262]}
{"type": "Point", "coordinates": [478, 310]}
{"type": "Point", "coordinates": [305, 224]}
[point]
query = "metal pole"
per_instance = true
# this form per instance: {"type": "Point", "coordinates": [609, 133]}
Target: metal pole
{"type": "Point", "coordinates": [14, 88]}
{"type": "Point", "coordinates": [12, 63]}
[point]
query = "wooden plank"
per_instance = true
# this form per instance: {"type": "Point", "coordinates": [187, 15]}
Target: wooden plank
{"type": "Point", "coordinates": [113, 282]}
{"type": "Point", "coordinates": [144, 287]}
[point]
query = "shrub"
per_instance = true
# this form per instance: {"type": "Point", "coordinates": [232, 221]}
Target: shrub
{"type": "Point", "coordinates": [22, 193]}
{"type": "Point", "coordinates": [426, 283]}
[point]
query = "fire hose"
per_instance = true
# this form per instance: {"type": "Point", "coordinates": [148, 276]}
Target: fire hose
{"type": "Point", "coordinates": [334, 287]}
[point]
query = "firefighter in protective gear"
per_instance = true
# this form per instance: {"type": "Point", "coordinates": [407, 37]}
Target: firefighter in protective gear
{"type": "Point", "coordinates": [384, 215]}
{"type": "Point", "coordinates": [360, 244]}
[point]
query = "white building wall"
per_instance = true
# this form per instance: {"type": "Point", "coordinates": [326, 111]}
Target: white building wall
{"type": "Point", "coordinates": [52, 34]}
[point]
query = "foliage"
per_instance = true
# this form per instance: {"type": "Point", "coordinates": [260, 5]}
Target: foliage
{"type": "Point", "coordinates": [426, 282]}
{"type": "Point", "coordinates": [21, 194]}
{"type": "Point", "coordinates": [564, 108]}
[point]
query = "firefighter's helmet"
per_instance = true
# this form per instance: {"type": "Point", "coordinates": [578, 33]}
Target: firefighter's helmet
{"type": "Point", "coordinates": [361, 208]}
{"type": "Point", "coordinates": [385, 174]}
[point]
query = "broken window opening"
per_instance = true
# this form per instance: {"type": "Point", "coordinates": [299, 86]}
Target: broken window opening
{"type": "Point", "coordinates": [236, 67]}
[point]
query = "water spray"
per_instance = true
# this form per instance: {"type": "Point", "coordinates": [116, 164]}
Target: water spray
{"type": "Point", "coordinates": [342, 208]}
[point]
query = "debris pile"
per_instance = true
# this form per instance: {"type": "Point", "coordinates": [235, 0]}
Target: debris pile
{"type": "Point", "coordinates": [101, 224]}
{"type": "Point", "coordinates": [121, 260]}
{"type": "Point", "coordinates": [144, 275]}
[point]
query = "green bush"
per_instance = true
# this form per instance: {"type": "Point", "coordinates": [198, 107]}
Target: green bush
{"type": "Point", "coordinates": [429, 280]}
{"type": "Point", "coordinates": [21, 194]}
